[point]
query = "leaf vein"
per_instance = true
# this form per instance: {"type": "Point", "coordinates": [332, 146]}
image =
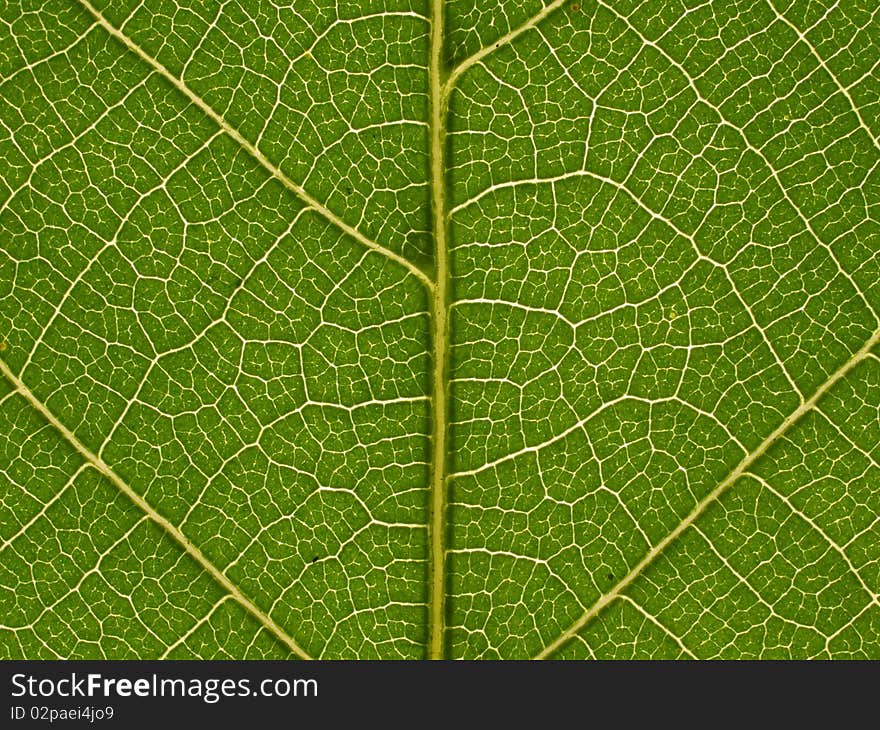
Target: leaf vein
{"type": "Point", "coordinates": [709, 499]}
{"type": "Point", "coordinates": [173, 532]}
{"type": "Point", "coordinates": [275, 171]}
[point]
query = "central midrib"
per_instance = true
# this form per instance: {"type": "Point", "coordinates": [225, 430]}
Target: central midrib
{"type": "Point", "coordinates": [439, 341]}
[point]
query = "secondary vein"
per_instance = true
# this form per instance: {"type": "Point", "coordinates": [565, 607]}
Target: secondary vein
{"type": "Point", "coordinates": [502, 41]}
{"type": "Point", "coordinates": [740, 469]}
{"type": "Point", "coordinates": [276, 172]}
{"type": "Point", "coordinates": [101, 466]}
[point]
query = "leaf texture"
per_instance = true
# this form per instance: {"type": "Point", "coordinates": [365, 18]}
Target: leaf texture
{"type": "Point", "coordinates": [406, 329]}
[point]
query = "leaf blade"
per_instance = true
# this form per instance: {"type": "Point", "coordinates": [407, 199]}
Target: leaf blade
{"type": "Point", "coordinates": [549, 335]}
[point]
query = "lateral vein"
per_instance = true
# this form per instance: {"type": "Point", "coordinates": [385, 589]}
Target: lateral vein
{"type": "Point", "coordinates": [740, 469]}
{"type": "Point", "coordinates": [276, 172]}
{"type": "Point", "coordinates": [502, 41]}
{"type": "Point", "coordinates": [101, 466]}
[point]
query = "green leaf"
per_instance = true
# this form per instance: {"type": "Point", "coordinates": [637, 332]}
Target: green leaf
{"type": "Point", "coordinates": [401, 328]}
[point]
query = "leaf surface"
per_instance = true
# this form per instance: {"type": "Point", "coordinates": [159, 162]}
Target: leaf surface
{"type": "Point", "coordinates": [403, 329]}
